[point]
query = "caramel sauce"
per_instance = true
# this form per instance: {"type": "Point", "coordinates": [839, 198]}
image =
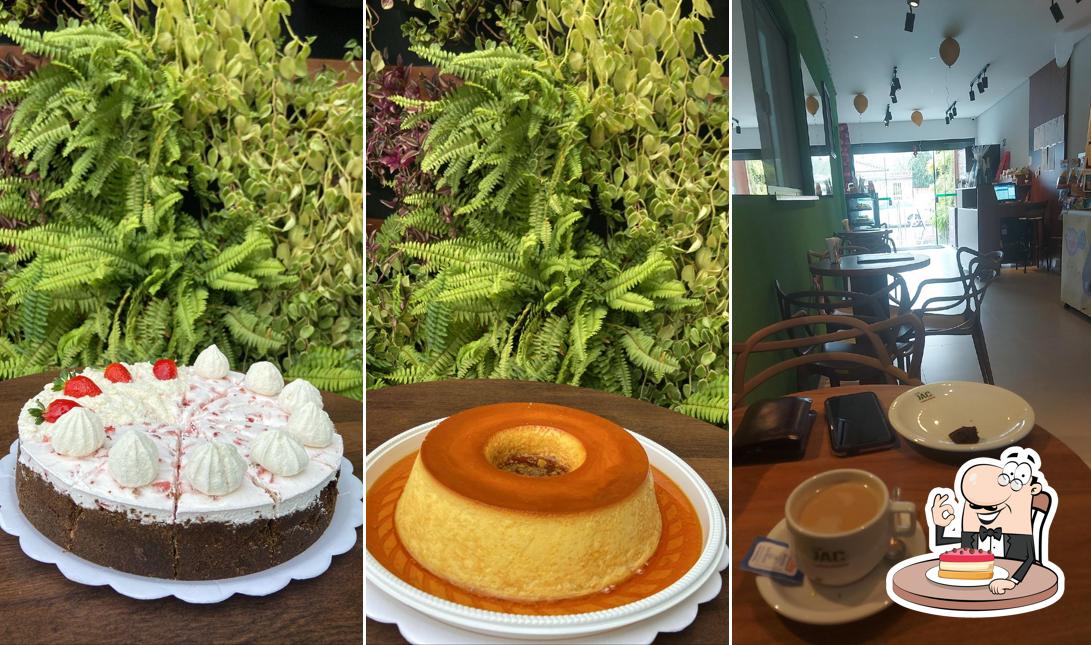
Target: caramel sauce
{"type": "Point", "coordinates": [679, 547]}
{"type": "Point", "coordinates": [533, 466]}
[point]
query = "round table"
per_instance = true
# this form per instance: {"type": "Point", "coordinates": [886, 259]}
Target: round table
{"type": "Point", "coordinates": [42, 605]}
{"type": "Point", "coordinates": [864, 274]}
{"type": "Point", "coordinates": [758, 498]}
{"type": "Point", "coordinates": [393, 410]}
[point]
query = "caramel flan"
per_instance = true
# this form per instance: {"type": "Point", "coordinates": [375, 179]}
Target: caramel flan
{"type": "Point", "coordinates": [529, 502]}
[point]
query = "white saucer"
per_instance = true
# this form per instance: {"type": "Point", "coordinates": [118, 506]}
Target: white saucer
{"type": "Point", "coordinates": [999, 573]}
{"type": "Point", "coordinates": [927, 414]}
{"type": "Point", "coordinates": [823, 605]}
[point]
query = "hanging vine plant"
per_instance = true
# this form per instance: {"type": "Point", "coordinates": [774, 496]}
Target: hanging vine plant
{"type": "Point", "coordinates": [583, 164]}
{"type": "Point", "coordinates": [188, 168]}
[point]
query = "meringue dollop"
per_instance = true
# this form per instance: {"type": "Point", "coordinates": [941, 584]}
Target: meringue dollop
{"type": "Point", "coordinates": [311, 425]}
{"type": "Point", "coordinates": [298, 392]}
{"type": "Point", "coordinates": [133, 459]}
{"type": "Point", "coordinates": [214, 468]}
{"type": "Point", "coordinates": [264, 378]}
{"type": "Point", "coordinates": [78, 433]}
{"type": "Point", "coordinates": [279, 452]}
{"type": "Point", "coordinates": [211, 363]}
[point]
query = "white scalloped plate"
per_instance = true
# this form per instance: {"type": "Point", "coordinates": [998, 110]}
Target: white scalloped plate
{"type": "Point", "coordinates": [685, 590]}
{"type": "Point", "coordinates": [421, 629]}
{"type": "Point", "coordinates": [338, 538]}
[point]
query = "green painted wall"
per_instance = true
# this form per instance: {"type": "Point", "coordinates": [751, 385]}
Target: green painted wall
{"type": "Point", "coordinates": [770, 238]}
{"type": "Point", "coordinates": [770, 243]}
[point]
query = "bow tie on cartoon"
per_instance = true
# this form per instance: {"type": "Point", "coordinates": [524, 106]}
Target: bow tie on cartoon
{"type": "Point", "coordinates": [983, 533]}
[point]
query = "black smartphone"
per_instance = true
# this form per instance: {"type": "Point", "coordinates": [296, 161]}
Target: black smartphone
{"type": "Point", "coordinates": [858, 424]}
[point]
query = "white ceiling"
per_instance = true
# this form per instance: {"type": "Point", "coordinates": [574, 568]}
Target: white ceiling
{"type": "Point", "coordinates": [865, 39]}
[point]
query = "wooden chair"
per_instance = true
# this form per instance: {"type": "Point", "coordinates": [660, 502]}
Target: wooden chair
{"type": "Point", "coordinates": [960, 314]}
{"type": "Point", "coordinates": [803, 335]}
{"type": "Point", "coordinates": [867, 307]}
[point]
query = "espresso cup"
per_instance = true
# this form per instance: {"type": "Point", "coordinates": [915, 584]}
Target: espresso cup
{"type": "Point", "coordinates": [856, 545]}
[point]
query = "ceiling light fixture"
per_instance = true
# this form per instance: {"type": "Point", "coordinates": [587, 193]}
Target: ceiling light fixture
{"type": "Point", "coordinates": [981, 81]}
{"type": "Point", "coordinates": [1055, 9]}
{"type": "Point", "coordinates": [910, 17]}
{"type": "Point", "coordinates": [738, 127]}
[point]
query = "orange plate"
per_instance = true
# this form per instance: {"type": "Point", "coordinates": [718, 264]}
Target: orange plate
{"type": "Point", "coordinates": [679, 548]}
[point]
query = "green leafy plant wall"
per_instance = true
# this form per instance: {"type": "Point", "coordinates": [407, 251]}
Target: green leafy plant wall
{"type": "Point", "coordinates": [585, 164]}
{"type": "Point", "coordinates": [199, 186]}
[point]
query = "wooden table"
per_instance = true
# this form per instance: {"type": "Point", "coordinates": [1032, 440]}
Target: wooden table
{"type": "Point", "coordinates": [865, 275]}
{"type": "Point", "coordinates": [758, 504]}
{"type": "Point", "coordinates": [40, 605]}
{"type": "Point", "coordinates": [393, 410]}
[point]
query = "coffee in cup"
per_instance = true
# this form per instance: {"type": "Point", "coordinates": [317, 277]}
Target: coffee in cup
{"type": "Point", "coordinates": [840, 524]}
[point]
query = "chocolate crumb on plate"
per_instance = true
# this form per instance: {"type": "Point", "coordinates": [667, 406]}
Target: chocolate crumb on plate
{"type": "Point", "coordinates": [965, 435]}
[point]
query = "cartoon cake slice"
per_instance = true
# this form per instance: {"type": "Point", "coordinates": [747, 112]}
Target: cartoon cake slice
{"type": "Point", "coordinates": [966, 564]}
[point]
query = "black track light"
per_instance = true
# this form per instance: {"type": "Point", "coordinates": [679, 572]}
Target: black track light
{"type": "Point", "coordinates": [947, 119]}
{"type": "Point", "coordinates": [980, 87]}
{"type": "Point", "coordinates": [910, 18]}
{"type": "Point", "coordinates": [984, 83]}
{"type": "Point", "coordinates": [1055, 9]}
{"type": "Point", "coordinates": [972, 98]}
{"type": "Point", "coordinates": [954, 112]}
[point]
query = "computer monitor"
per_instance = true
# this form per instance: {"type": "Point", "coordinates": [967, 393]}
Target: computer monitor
{"type": "Point", "coordinates": [1004, 192]}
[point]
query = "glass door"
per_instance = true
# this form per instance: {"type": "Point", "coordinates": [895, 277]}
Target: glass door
{"type": "Point", "coordinates": [916, 192]}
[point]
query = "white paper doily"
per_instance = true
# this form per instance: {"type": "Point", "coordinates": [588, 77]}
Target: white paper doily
{"type": "Point", "coordinates": [420, 629]}
{"type": "Point", "coordinates": [338, 538]}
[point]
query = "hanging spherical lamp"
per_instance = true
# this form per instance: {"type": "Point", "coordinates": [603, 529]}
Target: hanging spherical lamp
{"type": "Point", "coordinates": [812, 105]}
{"type": "Point", "coordinates": [949, 50]}
{"type": "Point", "coordinates": [860, 103]}
{"type": "Point", "coordinates": [917, 117]}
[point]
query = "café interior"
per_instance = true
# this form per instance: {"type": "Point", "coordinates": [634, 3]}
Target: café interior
{"type": "Point", "coordinates": [911, 212]}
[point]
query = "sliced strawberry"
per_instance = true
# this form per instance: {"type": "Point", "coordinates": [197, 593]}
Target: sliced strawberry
{"type": "Point", "coordinates": [165, 369]}
{"type": "Point", "coordinates": [78, 386]}
{"type": "Point", "coordinates": [57, 409]}
{"type": "Point", "coordinates": [116, 373]}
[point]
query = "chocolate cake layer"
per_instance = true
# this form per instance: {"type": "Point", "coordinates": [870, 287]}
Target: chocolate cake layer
{"type": "Point", "coordinates": [187, 551]}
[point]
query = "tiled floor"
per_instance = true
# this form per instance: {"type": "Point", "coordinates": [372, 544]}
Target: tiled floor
{"type": "Point", "coordinates": [1038, 348]}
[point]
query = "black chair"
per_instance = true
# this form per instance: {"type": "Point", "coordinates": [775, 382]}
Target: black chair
{"type": "Point", "coordinates": [900, 342]}
{"type": "Point", "coordinates": [960, 314]}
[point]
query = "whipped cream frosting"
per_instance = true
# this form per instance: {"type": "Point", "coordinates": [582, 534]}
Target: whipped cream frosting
{"type": "Point", "coordinates": [264, 378]}
{"type": "Point", "coordinates": [298, 392]}
{"type": "Point", "coordinates": [211, 363]}
{"type": "Point", "coordinates": [78, 433]}
{"type": "Point", "coordinates": [311, 425]}
{"type": "Point", "coordinates": [179, 416]}
{"type": "Point", "coordinates": [133, 459]}
{"type": "Point", "coordinates": [279, 452]}
{"type": "Point", "coordinates": [214, 468]}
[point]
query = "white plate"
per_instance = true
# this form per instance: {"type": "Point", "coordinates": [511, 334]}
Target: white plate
{"type": "Point", "coordinates": [927, 414]}
{"type": "Point", "coordinates": [823, 605]}
{"type": "Point", "coordinates": [420, 629]}
{"type": "Point", "coordinates": [713, 531]}
{"type": "Point", "coordinates": [338, 538]}
{"type": "Point", "coordinates": [999, 573]}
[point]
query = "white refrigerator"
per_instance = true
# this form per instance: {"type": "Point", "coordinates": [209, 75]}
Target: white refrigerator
{"type": "Point", "coordinates": [1076, 261]}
